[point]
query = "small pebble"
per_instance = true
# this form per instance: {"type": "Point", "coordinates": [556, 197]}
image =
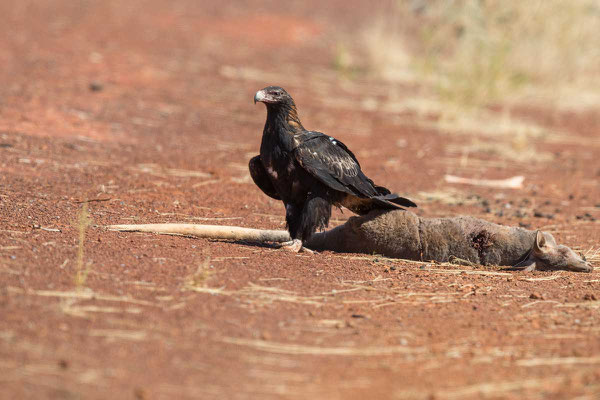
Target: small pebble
{"type": "Point", "coordinates": [95, 86]}
{"type": "Point", "coordinates": [265, 335]}
{"type": "Point", "coordinates": [140, 393]}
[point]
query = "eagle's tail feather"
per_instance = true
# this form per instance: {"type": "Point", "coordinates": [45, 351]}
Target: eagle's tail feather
{"type": "Point", "coordinates": [401, 201]}
{"type": "Point", "coordinates": [385, 194]}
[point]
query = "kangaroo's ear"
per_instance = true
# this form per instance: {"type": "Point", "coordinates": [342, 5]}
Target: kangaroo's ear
{"type": "Point", "coordinates": [540, 242]}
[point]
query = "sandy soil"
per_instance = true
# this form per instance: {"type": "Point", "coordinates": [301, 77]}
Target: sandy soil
{"type": "Point", "coordinates": [145, 109]}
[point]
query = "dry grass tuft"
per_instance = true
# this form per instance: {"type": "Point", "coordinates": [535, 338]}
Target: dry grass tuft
{"type": "Point", "coordinates": [84, 294]}
{"type": "Point", "coordinates": [261, 295]}
{"type": "Point", "coordinates": [592, 255]}
{"type": "Point", "coordinates": [290, 348]}
{"type": "Point", "coordinates": [116, 334]}
{"type": "Point", "coordinates": [83, 222]}
{"type": "Point", "coordinates": [257, 295]}
{"type": "Point", "coordinates": [536, 362]}
{"type": "Point", "coordinates": [69, 306]}
{"type": "Point", "coordinates": [163, 172]}
{"type": "Point", "coordinates": [203, 273]}
{"type": "Point", "coordinates": [556, 275]}
{"type": "Point", "coordinates": [499, 389]}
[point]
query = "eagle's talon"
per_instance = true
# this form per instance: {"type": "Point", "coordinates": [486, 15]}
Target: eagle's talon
{"type": "Point", "coordinates": [306, 250]}
{"type": "Point", "coordinates": [294, 246]}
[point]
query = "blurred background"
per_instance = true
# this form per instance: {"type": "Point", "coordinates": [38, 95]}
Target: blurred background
{"type": "Point", "coordinates": [483, 67]}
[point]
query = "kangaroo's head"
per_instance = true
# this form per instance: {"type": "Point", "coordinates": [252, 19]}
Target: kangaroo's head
{"type": "Point", "coordinates": [547, 255]}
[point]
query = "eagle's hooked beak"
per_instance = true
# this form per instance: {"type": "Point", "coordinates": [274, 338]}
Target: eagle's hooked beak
{"type": "Point", "coordinates": [264, 96]}
{"type": "Point", "coordinates": [259, 96]}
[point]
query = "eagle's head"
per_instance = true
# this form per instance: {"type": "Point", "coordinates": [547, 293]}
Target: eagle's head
{"type": "Point", "coordinates": [273, 95]}
{"type": "Point", "coordinates": [280, 107]}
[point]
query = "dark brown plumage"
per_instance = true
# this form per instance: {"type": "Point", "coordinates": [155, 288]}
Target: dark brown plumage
{"type": "Point", "coordinates": [310, 171]}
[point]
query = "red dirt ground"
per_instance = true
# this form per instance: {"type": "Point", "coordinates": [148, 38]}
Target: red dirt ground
{"type": "Point", "coordinates": [145, 109]}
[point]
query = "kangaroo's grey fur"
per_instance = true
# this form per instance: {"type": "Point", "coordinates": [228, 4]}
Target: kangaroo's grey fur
{"type": "Point", "coordinates": [402, 234]}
